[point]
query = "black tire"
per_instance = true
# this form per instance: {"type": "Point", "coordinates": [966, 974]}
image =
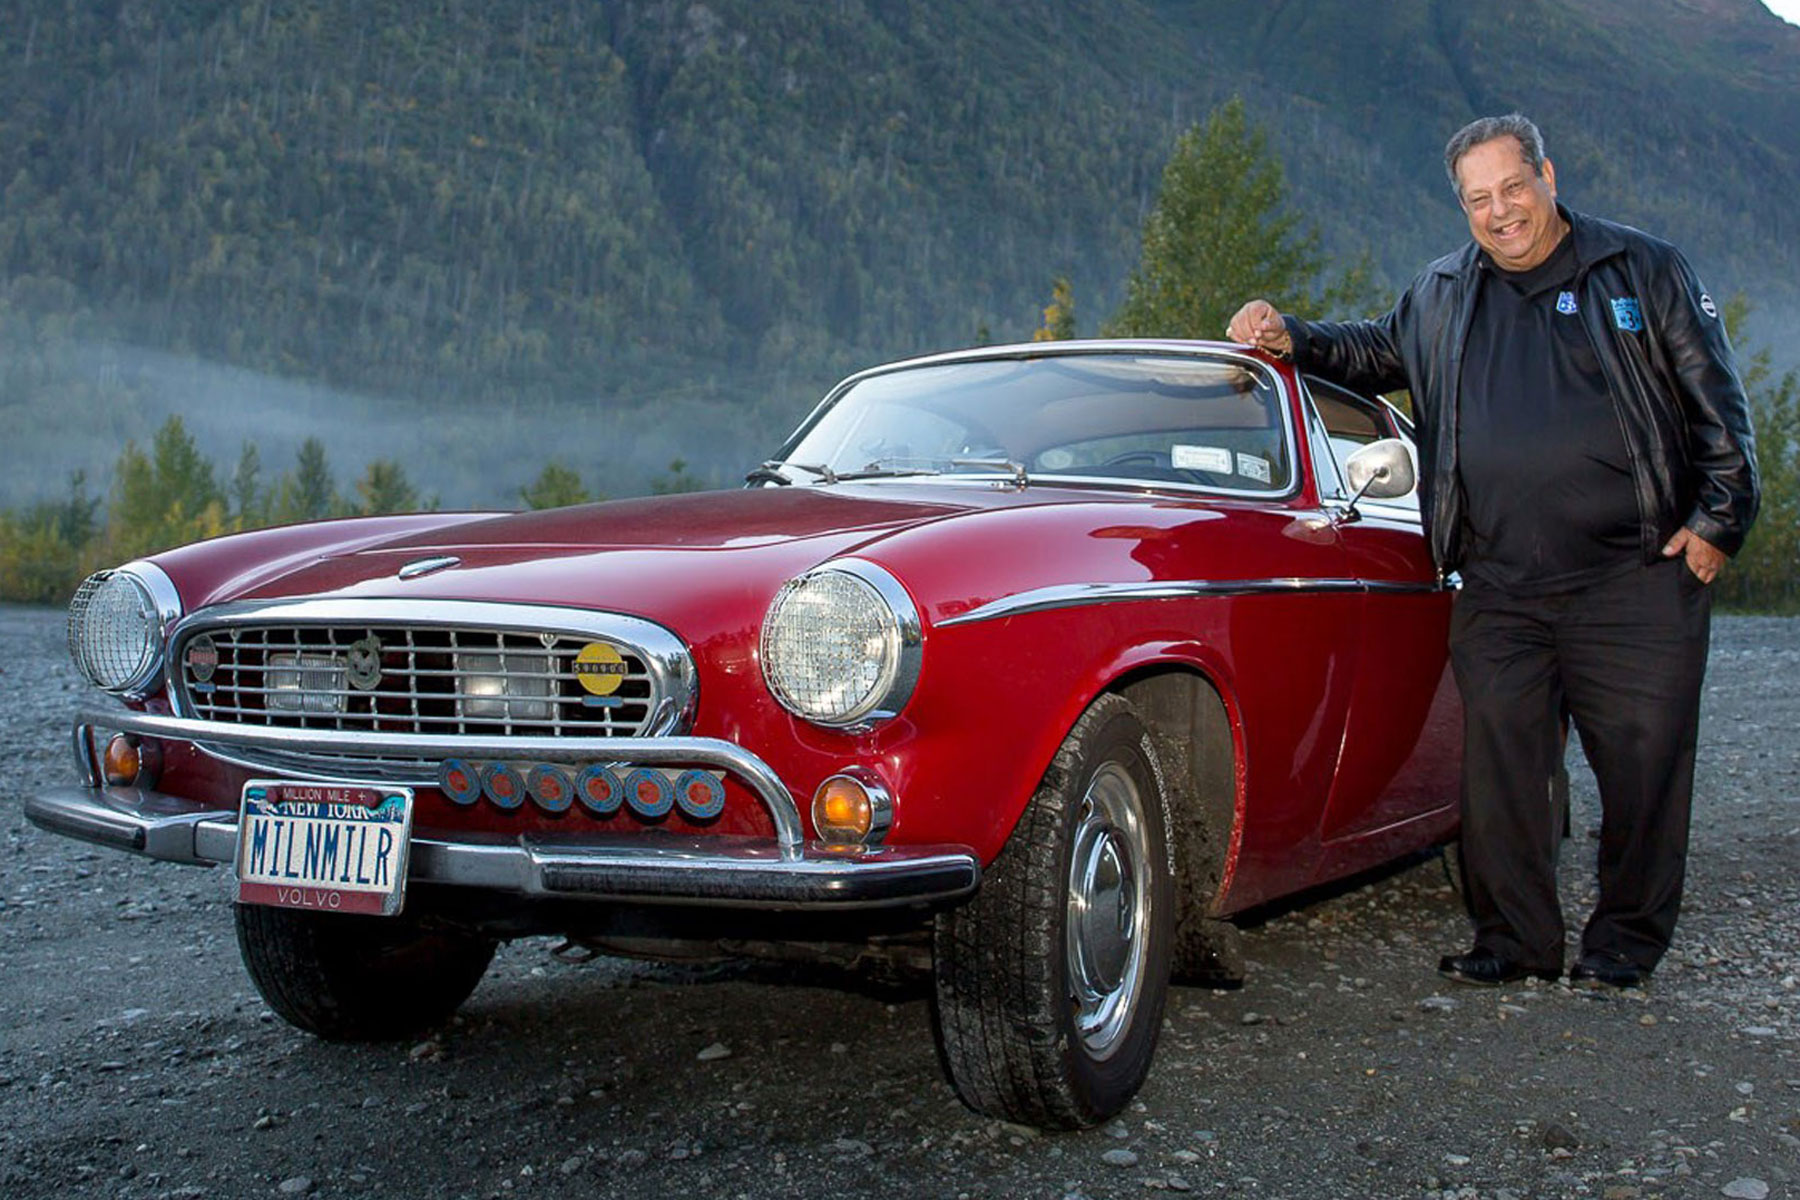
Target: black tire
{"type": "Point", "coordinates": [355, 978]}
{"type": "Point", "coordinates": [1046, 1020]}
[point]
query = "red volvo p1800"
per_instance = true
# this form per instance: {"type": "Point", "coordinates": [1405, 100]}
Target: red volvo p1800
{"type": "Point", "coordinates": [1034, 663]}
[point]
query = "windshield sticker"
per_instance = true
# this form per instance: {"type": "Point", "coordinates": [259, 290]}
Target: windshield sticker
{"type": "Point", "coordinates": [1201, 458]}
{"type": "Point", "coordinates": [1253, 466]}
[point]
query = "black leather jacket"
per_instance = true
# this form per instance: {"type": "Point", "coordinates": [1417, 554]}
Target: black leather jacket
{"type": "Point", "coordinates": [1666, 359]}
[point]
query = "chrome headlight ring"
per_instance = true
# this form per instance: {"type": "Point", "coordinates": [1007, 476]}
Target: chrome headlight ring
{"type": "Point", "coordinates": [842, 645]}
{"type": "Point", "coordinates": [119, 622]}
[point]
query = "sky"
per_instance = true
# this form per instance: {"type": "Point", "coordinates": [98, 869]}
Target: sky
{"type": "Point", "coordinates": [1787, 10]}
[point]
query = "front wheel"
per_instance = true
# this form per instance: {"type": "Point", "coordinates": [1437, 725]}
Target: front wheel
{"type": "Point", "coordinates": [1050, 983]}
{"type": "Point", "coordinates": [357, 978]}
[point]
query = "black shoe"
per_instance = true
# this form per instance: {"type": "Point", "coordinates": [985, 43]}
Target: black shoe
{"type": "Point", "coordinates": [1484, 968]}
{"type": "Point", "coordinates": [1607, 968]}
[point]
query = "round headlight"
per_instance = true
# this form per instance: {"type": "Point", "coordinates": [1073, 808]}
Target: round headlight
{"type": "Point", "coordinates": [116, 624]}
{"type": "Point", "coordinates": [841, 645]}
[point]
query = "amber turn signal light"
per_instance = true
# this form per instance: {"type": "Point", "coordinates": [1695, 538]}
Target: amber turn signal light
{"type": "Point", "coordinates": [851, 809]}
{"type": "Point", "coordinates": [131, 761]}
{"type": "Point", "coordinates": [841, 810]}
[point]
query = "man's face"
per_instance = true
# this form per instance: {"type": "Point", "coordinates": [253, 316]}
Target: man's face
{"type": "Point", "coordinates": [1511, 209]}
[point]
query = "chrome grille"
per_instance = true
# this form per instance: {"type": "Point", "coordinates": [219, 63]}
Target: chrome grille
{"type": "Point", "coordinates": [434, 667]}
{"type": "Point", "coordinates": [478, 681]}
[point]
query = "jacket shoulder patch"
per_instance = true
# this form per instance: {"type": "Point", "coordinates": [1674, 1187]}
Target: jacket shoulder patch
{"type": "Point", "coordinates": [1627, 315]}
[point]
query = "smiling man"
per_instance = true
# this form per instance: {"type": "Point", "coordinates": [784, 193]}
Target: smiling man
{"type": "Point", "coordinates": [1587, 465]}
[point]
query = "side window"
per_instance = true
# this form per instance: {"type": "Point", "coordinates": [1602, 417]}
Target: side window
{"type": "Point", "coordinates": [1350, 422]}
{"type": "Point", "coordinates": [1324, 455]}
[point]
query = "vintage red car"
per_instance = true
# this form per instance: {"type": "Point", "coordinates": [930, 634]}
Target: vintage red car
{"type": "Point", "coordinates": [1034, 664]}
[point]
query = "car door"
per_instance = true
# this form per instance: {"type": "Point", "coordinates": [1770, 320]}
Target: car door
{"type": "Point", "coordinates": [1403, 734]}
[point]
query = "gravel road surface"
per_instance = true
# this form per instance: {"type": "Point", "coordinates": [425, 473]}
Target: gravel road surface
{"type": "Point", "coordinates": [136, 1060]}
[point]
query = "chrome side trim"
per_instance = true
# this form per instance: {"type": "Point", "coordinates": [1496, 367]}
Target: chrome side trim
{"type": "Point", "coordinates": [1074, 595]}
{"type": "Point", "coordinates": [720, 870]}
{"type": "Point", "coordinates": [665, 751]}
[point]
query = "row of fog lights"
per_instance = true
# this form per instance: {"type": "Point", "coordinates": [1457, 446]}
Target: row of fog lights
{"type": "Point", "coordinates": [601, 789]}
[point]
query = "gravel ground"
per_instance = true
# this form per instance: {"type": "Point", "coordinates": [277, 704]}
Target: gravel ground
{"type": "Point", "coordinates": [137, 1061]}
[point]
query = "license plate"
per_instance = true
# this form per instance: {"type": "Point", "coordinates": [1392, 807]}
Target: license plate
{"type": "Point", "coordinates": [329, 847]}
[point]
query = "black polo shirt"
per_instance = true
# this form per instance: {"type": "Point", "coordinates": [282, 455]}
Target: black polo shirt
{"type": "Point", "coordinates": [1550, 502]}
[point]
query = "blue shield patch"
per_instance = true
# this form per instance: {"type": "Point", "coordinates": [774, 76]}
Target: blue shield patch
{"type": "Point", "coordinates": [1565, 303]}
{"type": "Point", "coordinates": [1627, 315]}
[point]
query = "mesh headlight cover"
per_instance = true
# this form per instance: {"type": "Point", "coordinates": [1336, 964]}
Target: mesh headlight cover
{"type": "Point", "coordinates": [835, 650]}
{"type": "Point", "coordinates": [115, 631]}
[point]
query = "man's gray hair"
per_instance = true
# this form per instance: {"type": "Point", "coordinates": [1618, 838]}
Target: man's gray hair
{"type": "Point", "coordinates": [1513, 125]}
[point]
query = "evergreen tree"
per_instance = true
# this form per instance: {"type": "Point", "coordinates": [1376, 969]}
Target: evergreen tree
{"type": "Point", "coordinates": [76, 517]}
{"type": "Point", "coordinates": [249, 505]}
{"type": "Point", "coordinates": [384, 488]}
{"type": "Point", "coordinates": [183, 476]}
{"type": "Point", "coordinates": [1765, 575]}
{"type": "Point", "coordinates": [1221, 234]}
{"type": "Point", "coordinates": [165, 498]}
{"type": "Point", "coordinates": [47, 549]}
{"type": "Point", "coordinates": [555, 487]}
{"type": "Point", "coordinates": [309, 493]}
{"type": "Point", "coordinates": [679, 479]}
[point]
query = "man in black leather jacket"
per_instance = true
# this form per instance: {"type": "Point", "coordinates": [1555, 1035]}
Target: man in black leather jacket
{"type": "Point", "coordinates": [1587, 465]}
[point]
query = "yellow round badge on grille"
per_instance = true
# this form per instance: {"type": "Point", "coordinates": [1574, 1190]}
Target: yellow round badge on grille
{"type": "Point", "coordinates": [599, 668]}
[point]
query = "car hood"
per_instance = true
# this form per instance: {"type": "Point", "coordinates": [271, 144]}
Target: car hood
{"type": "Point", "coordinates": [695, 559]}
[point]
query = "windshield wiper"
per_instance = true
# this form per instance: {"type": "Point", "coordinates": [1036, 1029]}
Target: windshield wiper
{"type": "Point", "coordinates": [769, 472]}
{"type": "Point", "coordinates": [875, 472]}
{"type": "Point", "coordinates": [1016, 469]}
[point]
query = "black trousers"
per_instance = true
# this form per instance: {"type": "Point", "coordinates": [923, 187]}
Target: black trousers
{"type": "Point", "coordinates": [1626, 657]}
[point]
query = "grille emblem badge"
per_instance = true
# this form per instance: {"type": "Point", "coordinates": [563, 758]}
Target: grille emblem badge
{"type": "Point", "coordinates": [365, 664]}
{"type": "Point", "coordinates": [202, 658]}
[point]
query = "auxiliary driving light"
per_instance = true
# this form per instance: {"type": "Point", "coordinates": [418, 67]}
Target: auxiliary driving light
{"type": "Point", "coordinates": [551, 787]}
{"type": "Point", "coordinates": [505, 687]}
{"type": "Point", "coordinates": [700, 794]}
{"type": "Point", "coordinates": [599, 790]}
{"type": "Point", "coordinates": [459, 780]}
{"type": "Point", "coordinates": [503, 784]}
{"type": "Point", "coordinates": [852, 808]}
{"type": "Point", "coordinates": [649, 793]}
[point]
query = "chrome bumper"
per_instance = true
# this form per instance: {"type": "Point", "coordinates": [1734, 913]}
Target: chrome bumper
{"type": "Point", "coordinates": [784, 872]}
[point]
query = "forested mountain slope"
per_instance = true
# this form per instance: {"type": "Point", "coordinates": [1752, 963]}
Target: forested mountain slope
{"type": "Point", "coordinates": [688, 217]}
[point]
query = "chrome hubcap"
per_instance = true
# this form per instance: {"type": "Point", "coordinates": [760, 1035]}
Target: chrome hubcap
{"type": "Point", "coordinates": [1108, 909]}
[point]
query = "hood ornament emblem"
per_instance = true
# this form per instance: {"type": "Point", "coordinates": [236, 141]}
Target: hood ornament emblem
{"type": "Point", "coordinates": [427, 566]}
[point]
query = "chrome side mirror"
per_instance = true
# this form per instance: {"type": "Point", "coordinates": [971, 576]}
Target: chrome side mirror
{"type": "Point", "coordinates": [1381, 470]}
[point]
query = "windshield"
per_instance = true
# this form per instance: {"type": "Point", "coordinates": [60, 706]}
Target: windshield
{"type": "Point", "coordinates": [1095, 417]}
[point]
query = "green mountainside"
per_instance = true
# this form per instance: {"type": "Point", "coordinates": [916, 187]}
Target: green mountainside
{"type": "Point", "coordinates": [480, 236]}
